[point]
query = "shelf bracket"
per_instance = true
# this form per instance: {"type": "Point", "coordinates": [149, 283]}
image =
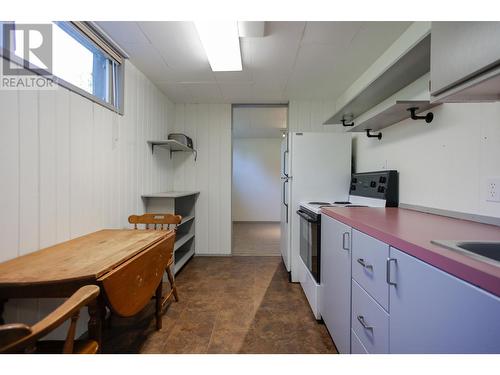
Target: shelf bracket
{"type": "Point", "coordinates": [347, 124]}
{"type": "Point", "coordinates": [379, 135]}
{"type": "Point", "coordinates": [428, 117]}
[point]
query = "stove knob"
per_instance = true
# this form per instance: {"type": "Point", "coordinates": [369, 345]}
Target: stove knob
{"type": "Point", "coordinates": [382, 179]}
{"type": "Point", "coordinates": [354, 180]}
{"type": "Point", "coordinates": [373, 184]}
{"type": "Point", "coordinates": [353, 187]}
{"type": "Point", "coordinates": [381, 189]}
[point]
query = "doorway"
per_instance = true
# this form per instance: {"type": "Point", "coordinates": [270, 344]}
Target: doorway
{"type": "Point", "coordinates": [257, 133]}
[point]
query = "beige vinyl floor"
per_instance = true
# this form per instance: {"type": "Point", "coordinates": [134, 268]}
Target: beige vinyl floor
{"type": "Point", "coordinates": [256, 238]}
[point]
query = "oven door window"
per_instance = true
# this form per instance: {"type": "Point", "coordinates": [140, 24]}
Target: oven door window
{"type": "Point", "coordinates": [305, 242]}
{"type": "Point", "coordinates": [309, 244]}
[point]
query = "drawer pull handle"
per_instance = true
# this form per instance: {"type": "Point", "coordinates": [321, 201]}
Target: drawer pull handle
{"type": "Point", "coordinates": [388, 271]}
{"type": "Point", "coordinates": [345, 241]}
{"type": "Point", "coordinates": [361, 320]}
{"type": "Point", "coordinates": [364, 264]}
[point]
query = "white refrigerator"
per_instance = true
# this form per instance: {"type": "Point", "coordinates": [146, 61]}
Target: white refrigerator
{"type": "Point", "coordinates": [314, 167]}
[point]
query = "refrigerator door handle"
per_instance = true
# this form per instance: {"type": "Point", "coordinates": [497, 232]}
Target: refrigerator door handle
{"type": "Point", "coordinates": [284, 201]}
{"type": "Point", "coordinates": [284, 164]}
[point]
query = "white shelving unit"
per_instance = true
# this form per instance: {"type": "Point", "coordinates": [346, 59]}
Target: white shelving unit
{"type": "Point", "coordinates": [181, 203]}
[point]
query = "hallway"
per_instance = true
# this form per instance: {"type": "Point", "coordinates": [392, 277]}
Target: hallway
{"type": "Point", "coordinates": [256, 238]}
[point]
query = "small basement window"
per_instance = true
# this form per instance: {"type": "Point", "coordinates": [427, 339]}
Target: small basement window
{"type": "Point", "coordinates": [83, 61]}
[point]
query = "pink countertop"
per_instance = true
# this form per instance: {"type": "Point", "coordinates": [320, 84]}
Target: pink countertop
{"type": "Point", "coordinates": [411, 231]}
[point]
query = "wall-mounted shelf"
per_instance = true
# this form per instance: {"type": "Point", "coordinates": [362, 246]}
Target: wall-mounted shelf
{"type": "Point", "coordinates": [181, 203]}
{"type": "Point", "coordinates": [171, 145]}
{"type": "Point", "coordinates": [405, 70]}
{"type": "Point", "coordinates": [393, 114]}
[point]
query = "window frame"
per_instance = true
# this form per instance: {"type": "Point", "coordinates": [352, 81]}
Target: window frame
{"type": "Point", "coordinates": [117, 75]}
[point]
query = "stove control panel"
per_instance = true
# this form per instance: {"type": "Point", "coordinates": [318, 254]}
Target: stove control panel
{"type": "Point", "coordinates": [380, 185]}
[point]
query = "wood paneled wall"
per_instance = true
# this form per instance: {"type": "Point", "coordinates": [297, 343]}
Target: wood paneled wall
{"type": "Point", "coordinates": [69, 166]}
{"type": "Point", "coordinates": [210, 127]}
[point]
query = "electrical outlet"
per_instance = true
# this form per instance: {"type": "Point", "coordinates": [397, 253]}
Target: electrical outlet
{"type": "Point", "coordinates": [493, 190]}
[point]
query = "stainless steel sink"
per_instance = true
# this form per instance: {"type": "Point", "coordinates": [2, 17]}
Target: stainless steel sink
{"type": "Point", "coordinates": [486, 251]}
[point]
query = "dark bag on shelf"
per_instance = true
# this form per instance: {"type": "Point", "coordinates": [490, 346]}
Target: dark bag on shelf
{"type": "Point", "coordinates": [181, 138]}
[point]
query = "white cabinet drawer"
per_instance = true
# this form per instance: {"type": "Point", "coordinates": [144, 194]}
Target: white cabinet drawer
{"type": "Point", "coordinates": [356, 346]}
{"type": "Point", "coordinates": [369, 321]}
{"type": "Point", "coordinates": [369, 257]}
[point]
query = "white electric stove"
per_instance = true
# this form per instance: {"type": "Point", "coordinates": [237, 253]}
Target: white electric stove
{"type": "Point", "coordinates": [372, 189]}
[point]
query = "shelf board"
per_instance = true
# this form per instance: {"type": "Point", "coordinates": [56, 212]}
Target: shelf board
{"type": "Point", "coordinates": [171, 145]}
{"type": "Point", "coordinates": [186, 219]}
{"type": "Point", "coordinates": [392, 115]}
{"type": "Point", "coordinates": [408, 68]}
{"type": "Point", "coordinates": [171, 194]}
{"type": "Point", "coordinates": [183, 260]}
{"type": "Point", "coordinates": [181, 240]}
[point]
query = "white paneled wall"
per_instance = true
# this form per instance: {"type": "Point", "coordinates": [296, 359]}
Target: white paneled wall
{"type": "Point", "coordinates": [309, 115]}
{"type": "Point", "coordinates": [210, 127]}
{"type": "Point", "coordinates": [444, 164]}
{"type": "Point", "coordinates": [69, 166]}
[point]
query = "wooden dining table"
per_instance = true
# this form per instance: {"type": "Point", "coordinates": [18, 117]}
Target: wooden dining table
{"type": "Point", "coordinates": [127, 265]}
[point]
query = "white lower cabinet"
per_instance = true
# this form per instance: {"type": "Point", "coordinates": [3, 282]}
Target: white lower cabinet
{"type": "Point", "coordinates": [335, 291]}
{"type": "Point", "coordinates": [356, 345]}
{"type": "Point", "coordinates": [432, 311]}
{"type": "Point", "coordinates": [369, 321]}
{"type": "Point", "coordinates": [400, 304]}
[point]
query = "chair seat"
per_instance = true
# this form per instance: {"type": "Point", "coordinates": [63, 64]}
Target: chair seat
{"type": "Point", "coordinates": [56, 347]}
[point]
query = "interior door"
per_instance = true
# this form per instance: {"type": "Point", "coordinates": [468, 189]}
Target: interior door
{"type": "Point", "coordinates": [285, 212]}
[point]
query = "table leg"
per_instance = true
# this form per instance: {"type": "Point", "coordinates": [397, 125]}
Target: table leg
{"type": "Point", "coordinates": [158, 305]}
{"type": "Point", "coordinates": [2, 306]}
{"type": "Point", "coordinates": [97, 311]}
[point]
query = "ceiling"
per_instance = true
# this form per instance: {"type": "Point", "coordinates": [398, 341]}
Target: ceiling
{"type": "Point", "coordinates": [259, 122]}
{"type": "Point", "coordinates": [294, 60]}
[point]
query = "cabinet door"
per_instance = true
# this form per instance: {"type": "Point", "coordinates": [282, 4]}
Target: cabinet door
{"type": "Point", "coordinates": [460, 50]}
{"type": "Point", "coordinates": [335, 298]}
{"type": "Point", "coordinates": [432, 311]}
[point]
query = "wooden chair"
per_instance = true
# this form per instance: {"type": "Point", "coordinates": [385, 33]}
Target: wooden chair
{"type": "Point", "coordinates": [20, 338]}
{"type": "Point", "coordinates": [161, 222]}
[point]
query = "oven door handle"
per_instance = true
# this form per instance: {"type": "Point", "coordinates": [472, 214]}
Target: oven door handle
{"type": "Point", "coordinates": [306, 217]}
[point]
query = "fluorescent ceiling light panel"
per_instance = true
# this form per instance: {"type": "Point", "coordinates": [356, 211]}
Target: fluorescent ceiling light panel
{"type": "Point", "coordinates": [221, 42]}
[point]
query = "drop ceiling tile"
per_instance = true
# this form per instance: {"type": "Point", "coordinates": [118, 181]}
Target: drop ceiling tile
{"type": "Point", "coordinates": [147, 59]}
{"type": "Point", "coordinates": [234, 77]}
{"type": "Point", "coordinates": [123, 32]}
{"type": "Point", "coordinates": [237, 92]}
{"type": "Point", "coordinates": [176, 93]}
{"type": "Point", "coordinates": [275, 53]}
{"type": "Point", "coordinates": [178, 42]}
{"type": "Point", "coordinates": [204, 92]}
{"type": "Point", "coordinates": [336, 33]}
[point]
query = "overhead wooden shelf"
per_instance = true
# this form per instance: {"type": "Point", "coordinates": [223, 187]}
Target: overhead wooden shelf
{"type": "Point", "coordinates": [172, 145]}
{"type": "Point", "coordinates": [408, 68]}
{"type": "Point", "coordinates": [393, 114]}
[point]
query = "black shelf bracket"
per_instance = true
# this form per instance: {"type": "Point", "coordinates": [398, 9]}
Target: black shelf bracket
{"type": "Point", "coordinates": [379, 135]}
{"type": "Point", "coordinates": [428, 117]}
{"type": "Point", "coordinates": [348, 124]}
